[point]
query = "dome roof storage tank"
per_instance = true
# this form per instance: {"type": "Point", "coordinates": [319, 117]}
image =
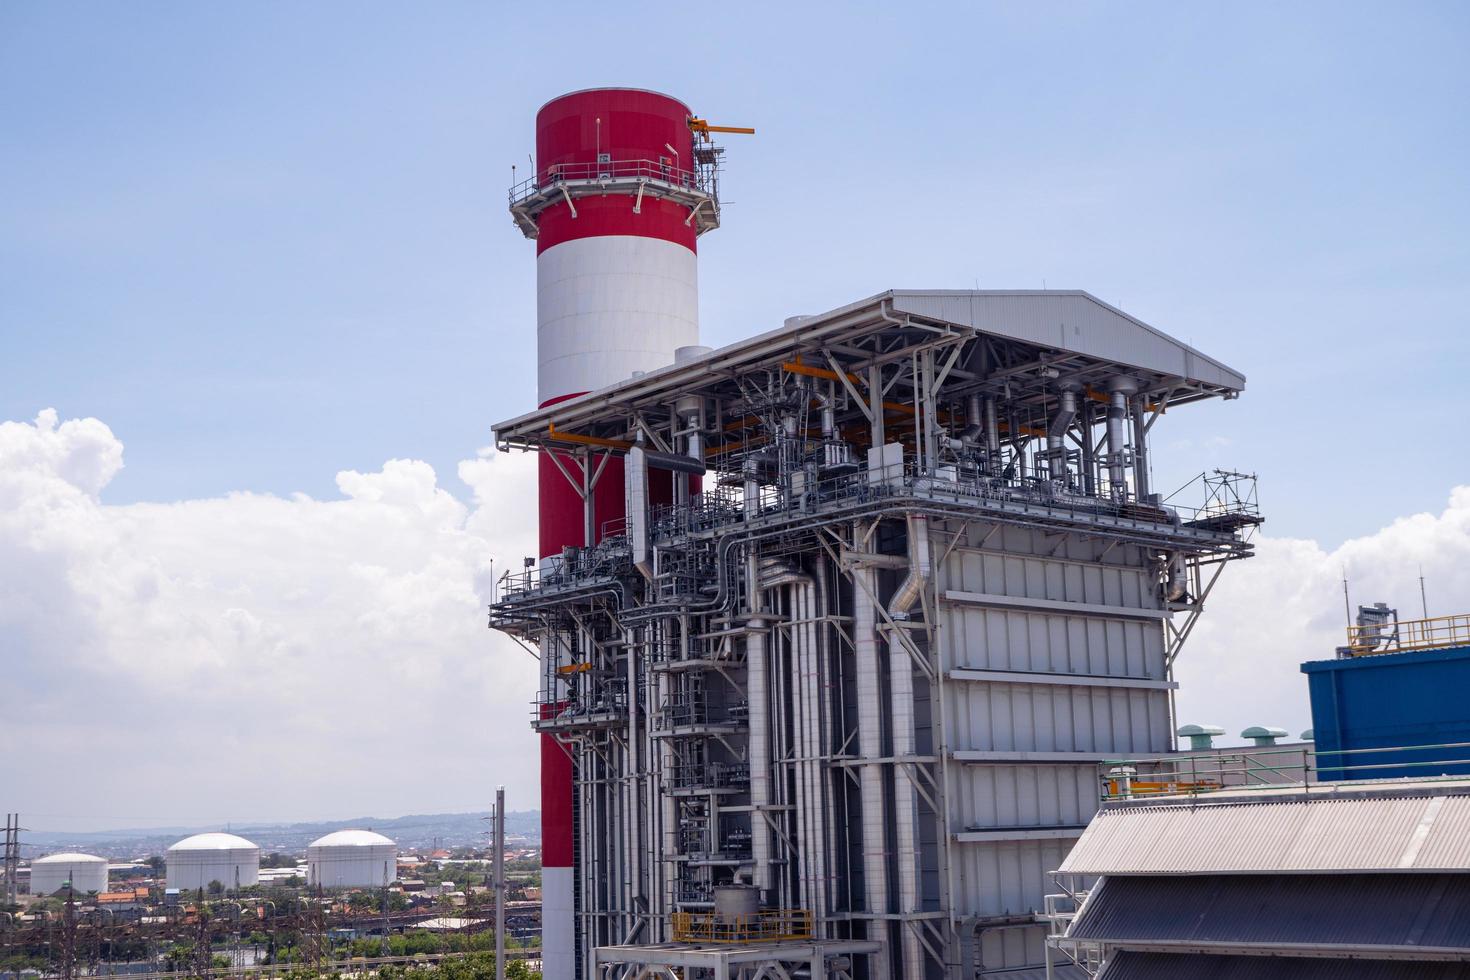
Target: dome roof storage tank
{"type": "Point", "coordinates": [195, 862]}
{"type": "Point", "coordinates": [352, 859]}
{"type": "Point", "coordinates": [84, 872]}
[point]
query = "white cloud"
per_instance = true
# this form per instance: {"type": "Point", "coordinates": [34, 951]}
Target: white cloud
{"type": "Point", "coordinates": [1285, 606]}
{"type": "Point", "coordinates": [251, 656]}
{"type": "Point", "coordinates": [254, 657]}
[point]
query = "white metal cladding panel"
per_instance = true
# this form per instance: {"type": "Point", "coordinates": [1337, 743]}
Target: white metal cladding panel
{"type": "Point", "coordinates": [1058, 579]}
{"type": "Point", "coordinates": [1376, 834]}
{"type": "Point", "coordinates": [988, 637]}
{"type": "Point", "coordinates": [558, 933]}
{"type": "Point", "coordinates": [988, 796]}
{"type": "Point", "coordinates": [1055, 718]}
{"type": "Point", "coordinates": [1073, 321]}
{"type": "Point", "coordinates": [1015, 540]}
{"type": "Point", "coordinates": [1004, 877]}
{"type": "Point", "coordinates": [609, 306]}
{"type": "Point", "coordinates": [1013, 950]}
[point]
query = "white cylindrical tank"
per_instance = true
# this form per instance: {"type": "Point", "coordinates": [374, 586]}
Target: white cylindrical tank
{"type": "Point", "coordinates": [352, 859]}
{"type": "Point", "coordinates": [86, 874]}
{"type": "Point", "coordinates": [198, 861]}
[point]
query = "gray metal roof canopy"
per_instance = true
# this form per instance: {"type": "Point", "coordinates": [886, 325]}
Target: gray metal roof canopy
{"type": "Point", "coordinates": [1028, 338]}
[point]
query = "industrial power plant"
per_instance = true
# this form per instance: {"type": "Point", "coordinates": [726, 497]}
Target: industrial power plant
{"type": "Point", "coordinates": [856, 645]}
{"type": "Point", "coordinates": [835, 623]}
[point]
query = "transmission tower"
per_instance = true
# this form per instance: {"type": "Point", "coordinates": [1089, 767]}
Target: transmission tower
{"type": "Point", "coordinates": [12, 858]}
{"type": "Point", "coordinates": [313, 940]}
{"type": "Point", "coordinates": [203, 951]}
{"type": "Point", "coordinates": [67, 968]}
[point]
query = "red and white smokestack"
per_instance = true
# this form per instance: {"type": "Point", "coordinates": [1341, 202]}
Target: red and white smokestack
{"type": "Point", "coordinates": [615, 206]}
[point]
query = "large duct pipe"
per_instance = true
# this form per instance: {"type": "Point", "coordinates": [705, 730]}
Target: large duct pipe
{"type": "Point", "coordinates": [1176, 586]}
{"type": "Point", "coordinates": [1066, 412]}
{"type": "Point", "coordinates": [901, 722]}
{"type": "Point", "coordinates": [759, 753]}
{"type": "Point", "coordinates": [975, 425]}
{"type": "Point", "coordinates": [920, 569]}
{"type": "Point", "coordinates": [821, 720]}
{"type": "Point", "coordinates": [870, 749]}
{"type": "Point", "coordinates": [750, 470]}
{"type": "Point", "coordinates": [1119, 390]}
{"type": "Point", "coordinates": [1140, 451]}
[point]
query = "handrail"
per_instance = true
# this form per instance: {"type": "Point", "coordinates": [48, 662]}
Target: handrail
{"type": "Point", "coordinates": [1248, 767]}
{"type": "Point", "coordinates": [768, 926]}
{"type": "Point", "coordinates": [1409, 635]}
{"type": "Point", "coordinates": [608, 170]}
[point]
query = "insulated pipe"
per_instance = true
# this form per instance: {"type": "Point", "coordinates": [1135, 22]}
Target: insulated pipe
{"type": "Point", "coordinates": [901, 721]}
{"type": "Point", "coordinates": [1140, 451]}
{"type": "Point", "coordinates": [631, 771]}
{"type": "Point", "coordinates": [829, 421]}
{"type": "Point", "coordinates": [1119, 390]}
{"type": "Point", "coordinates": [870, 749]}
{"type": "Point", "coordinates": [992, 432]}
{"type": "Point", "coordinates": [670, 828]}
{"type": "Point", "coordinates": [760, 753]}
{"type": "Point", "coordinates": [976, 426]}
{"type": "Point", "coordinates": [905, 812]}
{"type": "Point", "coordinates": [1178, 579]}
{"type": "Point", "coordinates": [813, 846]}
{"type": "Point", "coordinates": [750, 469]}
{"type": "Point", "coordinates": [920, 568]}
{"type": "Point", "coordinates": [1066, 412]}
{"type": "Point", "coordinates": [822, 717]}
{"type": "Point", "coordinates": [810, 819]}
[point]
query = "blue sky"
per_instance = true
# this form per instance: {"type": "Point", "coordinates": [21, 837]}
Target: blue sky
{"type": "Point", "coordinates": [266, 242]}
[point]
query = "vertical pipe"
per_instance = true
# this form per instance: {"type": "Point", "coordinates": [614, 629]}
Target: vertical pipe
{"type": "Point", "coordinates": [1089, 474]}
{"type": "Point", "coordinates": [905, 813]}
{"type": "Point", "coordinates": [666, 800]}
{"type": "Point", "coordinates": [633, 773]}
{"type": "Point", "coordinates": [992, 434]}
{"type": "Point", "coordinates": [901, 720]}
{"type": "Point", "coordinates": [870, 749]}
{"type": "Point", "coordinates": [804, 749]}
{"type": "Point", "coordinates": [760, 753]}
{"type": "Point", "coordinates": [822, 723]}
{"type": "Point", "coordinates": [1117, 410]}
{"type": "Point", "coordinates": [1140, 450]}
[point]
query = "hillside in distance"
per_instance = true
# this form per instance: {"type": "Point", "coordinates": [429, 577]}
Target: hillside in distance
{"type": "Point", "coordinates": [415, 832]}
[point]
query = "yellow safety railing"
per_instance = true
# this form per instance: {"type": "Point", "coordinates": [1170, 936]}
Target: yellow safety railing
{"type": "Point", "coordinates": [1405, 635]}
{"type": "Point", "coordinates": [770, 926]}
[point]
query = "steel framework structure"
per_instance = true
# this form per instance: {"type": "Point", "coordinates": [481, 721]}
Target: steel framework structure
{"type": "Point", "coordinates": [889, 584]}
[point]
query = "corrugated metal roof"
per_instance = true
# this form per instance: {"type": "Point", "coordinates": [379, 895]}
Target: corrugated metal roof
{"type": "Point", "coordinates": [1415, 833]}
{"type": "Point", "coordinates": [1426, 910]}
{"type": "Point", "coordinates": [1070, 320]}
{"type": "Point", "coordinates": [1130, 965]}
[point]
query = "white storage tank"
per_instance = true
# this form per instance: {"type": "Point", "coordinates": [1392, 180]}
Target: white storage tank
{"type": "Point", "coordinates": [86, 874]}
{"type": "Point", "coordinates": [352, 859]}
{"type": "Point", "coordinates": [196, 862]}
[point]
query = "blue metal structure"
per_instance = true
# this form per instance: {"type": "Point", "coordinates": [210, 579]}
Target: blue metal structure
{"type": "Point", "coordinates": [1390, 700]}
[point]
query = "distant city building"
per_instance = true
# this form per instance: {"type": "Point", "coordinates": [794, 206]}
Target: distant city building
{"type": "Point", "coordinates": [195, 862]}
{"type": "Point", "coordinates": [83, 872]}
{"type": "Point", "coordinates": [352, 859]}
